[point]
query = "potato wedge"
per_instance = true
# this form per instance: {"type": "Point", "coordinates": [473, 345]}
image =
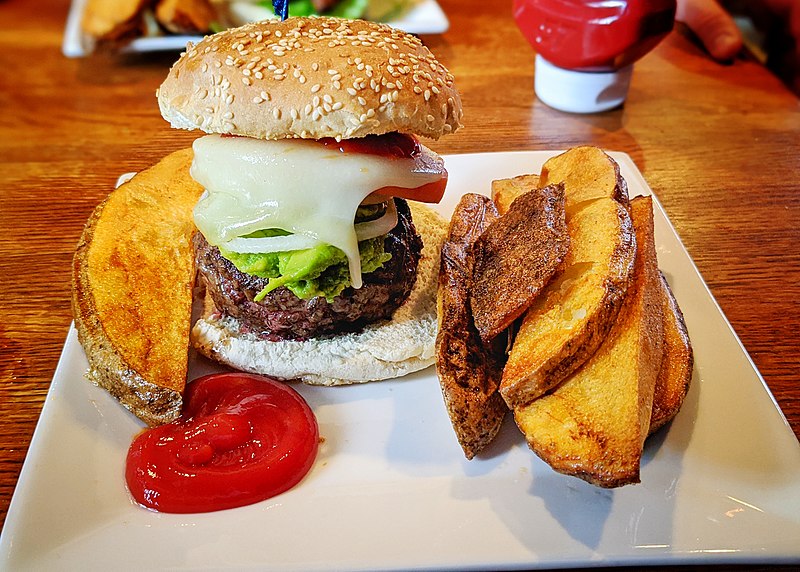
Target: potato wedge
{"type": "Point", "coordinates": [587, 173]}
{"type": "Point", "coordinates": [469, 371]}
{"type": "Point", "coordinates": [185, 16]}
{"type": "Point", "coordinates": [133, 274]}
{"type": "Point", "coordinates": [110, 21]}
{"type": "Point", "coordinates": [572, 316]}
{"type": "Point", "coordinates": [515, 258]}
{"type": "Point", "coordinates": [593, 426]}
{"type": "Point", "coordinates": [675, 374]}
{"type": "Point", "coordinates": [504, 191]}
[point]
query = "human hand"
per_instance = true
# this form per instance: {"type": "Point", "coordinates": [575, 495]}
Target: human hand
{"type": "Point", "coordinates": [713, 25]}
{"type": "Point", "coordinates": [777, 20]}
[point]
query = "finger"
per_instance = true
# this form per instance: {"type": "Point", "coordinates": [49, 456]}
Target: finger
{"type": "Point", "coordinates": [713, 25]}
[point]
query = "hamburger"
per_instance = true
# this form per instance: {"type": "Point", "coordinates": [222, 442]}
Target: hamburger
{"type": "Point", "coordinates": [317, 259]}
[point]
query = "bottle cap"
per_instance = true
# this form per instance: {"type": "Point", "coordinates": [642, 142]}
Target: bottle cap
{"type": "Point", "coordinates": [580, 91]}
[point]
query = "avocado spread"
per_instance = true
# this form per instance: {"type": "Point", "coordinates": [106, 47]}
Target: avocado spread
{"type": "Point", "coordinates": [318, 271]}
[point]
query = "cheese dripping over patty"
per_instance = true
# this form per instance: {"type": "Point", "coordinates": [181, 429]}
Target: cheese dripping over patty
{"type": "Point", "coordinates": [299, 186]}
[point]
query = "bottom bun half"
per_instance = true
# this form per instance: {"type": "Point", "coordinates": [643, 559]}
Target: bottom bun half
{"type": "Point", "coordinates": [384, 350]}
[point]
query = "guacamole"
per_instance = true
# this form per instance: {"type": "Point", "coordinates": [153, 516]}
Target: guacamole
{"type": "Point", "coordinates": [319, 271]}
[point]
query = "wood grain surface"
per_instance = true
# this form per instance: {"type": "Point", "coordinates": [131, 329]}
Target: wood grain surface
{"type": "Point", "coordinates": [718, 144]}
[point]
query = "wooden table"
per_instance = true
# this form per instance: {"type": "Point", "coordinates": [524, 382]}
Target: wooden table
{"type": "Point", "coordinates": [719, 145]}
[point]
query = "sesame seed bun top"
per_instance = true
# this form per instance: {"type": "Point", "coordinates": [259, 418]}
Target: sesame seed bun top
{"type": "Point", "coordinates": [311, 78]}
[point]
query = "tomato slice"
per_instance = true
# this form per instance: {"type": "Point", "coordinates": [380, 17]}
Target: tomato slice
{"type": "Point", "coordinates": [241, 439]}
{"type": "Point", "coordinates": [429, 193]}
{"type": "Point", "coordinates": [401, 146]}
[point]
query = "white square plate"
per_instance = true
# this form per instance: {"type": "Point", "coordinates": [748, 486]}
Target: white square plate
{"type": "Point", "coordinates": [391, 488]}
{"type": "Point", "coordinates": [427, 17]}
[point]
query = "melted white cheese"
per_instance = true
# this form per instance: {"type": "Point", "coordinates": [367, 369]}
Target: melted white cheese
{"type": "Point", "coordinates": [299, 186]}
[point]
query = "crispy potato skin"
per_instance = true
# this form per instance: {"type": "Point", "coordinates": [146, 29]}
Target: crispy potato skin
{"type": "Point", "coordinates": [675, 375]}
{"type": "Point", "coordinates": [469, 370]}
{"type": "Point", "coordinates": [516, 257]}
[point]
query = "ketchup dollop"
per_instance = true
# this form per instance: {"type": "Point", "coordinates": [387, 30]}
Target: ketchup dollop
{"type": "Point", "coordinates": [241, 439]}
{"type": "Point", "coordinates": [399, 145]}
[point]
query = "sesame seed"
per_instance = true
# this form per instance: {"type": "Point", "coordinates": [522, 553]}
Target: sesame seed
{"type": "Point", "coordinates": [315, 88]}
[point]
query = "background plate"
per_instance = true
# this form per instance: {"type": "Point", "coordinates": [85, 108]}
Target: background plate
{"type": "Point", "coordinates": [425, 18]}
{"type": "Point", "coordinates": [391, 488]}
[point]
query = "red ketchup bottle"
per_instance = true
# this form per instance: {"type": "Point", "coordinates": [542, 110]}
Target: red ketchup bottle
{"type": "Point", "coordinates": [586, 48]}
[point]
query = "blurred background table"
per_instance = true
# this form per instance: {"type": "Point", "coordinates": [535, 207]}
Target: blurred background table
{"type": "Point", "coordinates": [718, 144]}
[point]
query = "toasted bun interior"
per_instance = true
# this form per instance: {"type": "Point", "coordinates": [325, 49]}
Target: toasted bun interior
{"type": "Point", "coordinates": [311, 78]}
{"type": "Point", "coordinates": [381, 351]}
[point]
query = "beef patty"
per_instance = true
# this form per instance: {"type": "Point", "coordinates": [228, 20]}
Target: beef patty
{"type": "Point", "coordinates": [281, 315]}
